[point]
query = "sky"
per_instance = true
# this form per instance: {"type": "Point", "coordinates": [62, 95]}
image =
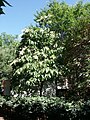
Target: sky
{"type": "Point", "coordinates": [21, 14]}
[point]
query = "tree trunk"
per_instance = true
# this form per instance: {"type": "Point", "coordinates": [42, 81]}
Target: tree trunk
{"type": "Point", "coordinates": [56, 87]}
{"type": "Point", "coordinates": [41, 87]}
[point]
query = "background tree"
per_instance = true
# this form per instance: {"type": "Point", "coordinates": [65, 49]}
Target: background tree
{"type": "Point", "coordinates": [8, 45]}
{"type": "Point", "coordinates": [70, 26]}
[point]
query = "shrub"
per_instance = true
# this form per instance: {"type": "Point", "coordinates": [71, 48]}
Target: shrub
{"type": "Point", "coordinates": [42, 108]}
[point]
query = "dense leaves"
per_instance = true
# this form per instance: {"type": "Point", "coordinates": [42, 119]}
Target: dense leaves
{"type": "Point", "coordinates": [35, 57]}
{"type": "Point", "coordinates": [56, 50]}
{"type": "Point", "coordinates": [44, 108]}
{"type": "Point", "coordinates": [8, 45]}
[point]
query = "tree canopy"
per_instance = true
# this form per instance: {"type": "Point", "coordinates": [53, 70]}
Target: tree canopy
{"type": "Point", "coordinates": [55, 50]}
{"type": "Point", "coordinates": [8, 45]}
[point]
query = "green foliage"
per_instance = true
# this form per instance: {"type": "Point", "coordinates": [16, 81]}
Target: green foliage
{"type": "Point", "coordinates": [8, 44]}
{"type": "Point", "coordinates": [2, 4]}
{"type": "Point", "coordinates": [56, 49]}
{"type": "Point", "coordinates": [35, 61]}
{"type": "Point", "coordinates": [44, 108]}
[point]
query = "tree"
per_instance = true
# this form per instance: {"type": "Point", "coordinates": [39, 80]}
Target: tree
{"type": "Point", "coordinates": [8, 44]}
{"type": "Point", "coordinates": [57, 49]}
{"type": "Point", "coordinates": [35, 62]}
{"type": "Point", "coordinates": [70, 25]}
{"type": "Point", "coordinates": [76, 52]}
{"type": "Point", "coordinates": [2, 3]}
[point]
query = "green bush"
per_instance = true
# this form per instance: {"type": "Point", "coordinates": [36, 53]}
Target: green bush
{"type": "Point", "coordinates": [42, 108]}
